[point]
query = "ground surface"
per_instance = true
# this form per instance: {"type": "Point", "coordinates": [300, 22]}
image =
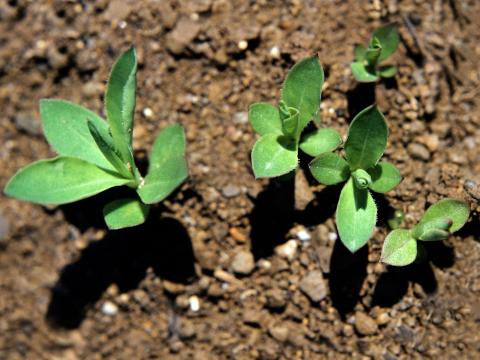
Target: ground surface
{"type": "Point", "coordinates": [71, 290]}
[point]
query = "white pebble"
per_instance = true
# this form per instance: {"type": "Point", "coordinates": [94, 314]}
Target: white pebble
{"type": "Point", "coordinates": [242, 45]}
{"type": "Point", "coordinates": [109, 308]}
{"type": "Point", "coordinates": [147, 112]}
{"type": "Point", "coordinates": [287, 250]}
{"type": "Point", "coordinates": [303, 235]}
{"type": "Point", "coordinates": [332, 236]}
{"type": "Point", "coordinates": [275, 52]}
{"type": "Point", "coordinates": [194, 303]}
{"type": "Point", "coordinates": [122, 24]}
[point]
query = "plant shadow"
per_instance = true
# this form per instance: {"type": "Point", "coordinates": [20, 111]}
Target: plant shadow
{"type": "Point", "coordinates": [121, 258]}
{"type": "Point", "coordinates": [360, 97]}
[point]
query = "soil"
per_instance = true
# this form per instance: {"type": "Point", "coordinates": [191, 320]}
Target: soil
{"type": "Point", "coordinates": [184, 285]}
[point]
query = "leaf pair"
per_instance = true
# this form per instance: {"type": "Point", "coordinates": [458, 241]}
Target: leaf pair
{"type": "Point", "coordinates": [95, 155]}
{"type": "Point", "coordinates": [367, 65]}
{"type": "Point", "coordinates": [356, 210]}
{"type": "Point", "coordinates": [439, 221]}
{"type": "Point", "coordinates": [276, 152]}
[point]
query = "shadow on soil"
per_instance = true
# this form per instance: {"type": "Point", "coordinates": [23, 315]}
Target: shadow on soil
{"type": "Point", "coordinates": [121, 258]}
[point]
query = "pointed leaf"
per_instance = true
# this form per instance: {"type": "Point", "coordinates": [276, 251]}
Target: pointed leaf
{"type": "Point", "coordinates": [387, 71]}
{"type": "Point", "coordinates": [385, 177]}
{"type": "Point", "coordinates": [329, 169]}
{"type": "Point", "coordinates": [320, 141]}
{"type": "Point", "coordinates": [302, 89]}
{"type": "Point", "coordinates": [168, 166]}
{"type": "Point", "coordinates": [373, 52]}
{"type": "Point", "coordinates": [120, 102]}
{"type": "Point", "coordinates": [65, 127]}
{"type": "Point", "coordinates": [124, 213]}
{"type": "Point", "coordinates": [60, 180]}
{"type": "Point", "coordinates": [367, 138]}
{"type": "Point", "coordinates": [455, 210]}
{"type": "Point", "coordinates": [356, 216]}
{"type": "Point", "coordinates": [361, 73]}
{"type": "Point", "coordinates": [388, 37]}
{"type": "Point", "coordinates": [273, 155]}
{"type": "Point", "coordinates": [360, 52]}
{"type": "Point", "coordinates": [399, 248]}
{"type": "Point", "coordinates": [264, 118]}
{"type": "Point", "coordinates": [422, 229]}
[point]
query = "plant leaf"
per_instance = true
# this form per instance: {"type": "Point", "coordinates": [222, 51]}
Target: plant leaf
{"type": "Point", "coordinates": [329, 169]}
{"type": "Point", "coordinates": [60, 180]}
{"type": "Point", "coordinates": [387, 71]}
{"type": "Point", "coordinates": [367, 138]}
{"type": "Point", "coordinates": [399, 248]}
{"type": "Point", "coordinates": [264, 118]}
{"type": "Point", "coordinates": [455, 210]}
{"type": "Point", "coordinates": [360, 52]}
{"type": "Point", "coordinates": [120, 103]}
{"type": "Point", "coordinates": [273, 155]}
{"type": "Point", "coordinates": [124, 213]}
{"type": "Point", "coordinates": [65, 126]}
{"type": "Point", "coordinates": [361, 73]}
{"type": "Point", "coordinates": [421, 230]}
{"type": "Point", "coordinates": [373, 52]}
{"type": "Point", "coordinates": [388, 37]}
{"type": "Point", "coordinates": [385, 177]}
{"type": "Point", "coordinates": [168, 165]}
{"type": "Point", "coordinates": [302, 89]}
{"type": "Point", "coordinates": [320, 141]}
{"type": "Point", "coordinates": [356, 216]}
{"type": "Point", "coordinates": [434, 235]}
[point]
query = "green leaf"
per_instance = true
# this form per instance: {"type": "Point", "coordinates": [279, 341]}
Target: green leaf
{"type": "Point", "coordinates": [361, 178]}
{"type": "Point", "coordinates": [422, 229]}
{"type": "Point", "coordinates": [455, 210]}
{"type": "Point", "coordinates": [385, 177]}
{"type": "Point", "coordinates": [65, 127]}
{"type": "Point", "coordinates": [329, 169]}
{"type": "Point", "coordinates": [265, 118]}
{"type": "Point", "coordinates": [367, 138]}
{"type": "Point", "coordinates": [168, 166]}
{"type": "Point", "coordinates": [399, 248]}
{"type": "Point", "coordinates": [388, 38]}
{"type": "Point", "coordinates": [124, 213]}
{"type": "Point", "coordinates": [360, 52]}
{"type": "Point", "coordinates": [289, 117]}
{"type": "Point", "coordinates": [120, 103]}
{"type": "Point", "coordinates": [434, 235]}
{"type": "Point", "coordinates": [356, 216]}
{"type": "Point", "coordinates": [320, 141]}
{"type": "Point", "coordinates": [373, 52]}
{"type": "Point", "coordinates": [273, 155]}
{"type": "Point", "coordinates": [387, 71]}
{"type": "Point", "coordinates": [60, 180]}
{"type": "Point", "coordinates": [302, 89]}
{"type": "Point", "coordinates": [361, 73]}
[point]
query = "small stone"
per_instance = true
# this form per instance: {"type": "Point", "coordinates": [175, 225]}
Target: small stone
{"type": "Point", "coordinates": [109, 308]}
{"type": "Point", "coordinates": [147, 112]}
{"type": "Point", "coordinates": [230, 191]}
{"type": "Point", "coordinates": [304, 235]}
{"type": "Point", "coordinates": [27, 123]}
{"type": "Point", "coordinates": [279, 333]}
{"type": "Point", "coordinates": [364, 324]}
{"type": "Point", "coordinates": [432, 142]}
{"type": "Point", "coordinates": [252, 317]}
{"type": "Point", "coordinates": [238, 235]}
{"type": "Point", "coordinates": [182, 302]}
{"type": "Point", "coordinates": [419, 151]}
{"type": "Point", "coordinates": [242, 45]}
{"type": "Point", "coordinates": [240, 117]}
{"type": "Point", "coordinates": [332, 237]}
{"type": "Point", "coordinates": [182, 35]}
{"type": "Point", "coordinates": [314, 286]}
{"type": "Point", "coordinates": [383, 318]}
{"type": "Point", "coordinates": [287, 250]}
{"type": "Point", "coordinates": [275, 52]}
{"type": "Point", "coordinates": [275, 299]}
{"type": "Point", "coordinates": [194, 303]}
{"type": "Point", "coordinates": [92, 89]}
{"type": "Point", "coordinates": [243, 263]}
{"type": "Point", "coordinates": [186, 329]}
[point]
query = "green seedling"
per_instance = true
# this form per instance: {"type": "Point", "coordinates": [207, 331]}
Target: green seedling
{"type": "Point", "coordinates": [356, 213]}
{"type": "Point", "coordinates": [439, 221]}
{"type": "Point", "coordinates": [395, 219]}
{"type": "Point", "coordinates": [276, 152]}
{"type": "Point", "coordinates": [367, 64]}
{"type": "Point", "coordinates": [95, 155]}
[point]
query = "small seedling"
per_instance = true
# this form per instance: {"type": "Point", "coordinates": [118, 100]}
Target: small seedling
{"type": "Point", "coordinates": [439, 221]}
{"type": "Point", "coordinates": [367, 65]}
{"type": "Point", "coordinates": [356, 213]}
{"type": "Point", "coordinates": [95, 155]}
{"type": "Point", "coordinates": [276, 152]}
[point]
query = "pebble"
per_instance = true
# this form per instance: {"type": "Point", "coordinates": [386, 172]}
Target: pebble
{"type": "Point", "coordinates": [304, 235]}
{"type": "Point", "coordinates": [147, 112]}
{"type": "Point", "coordinates": [252, 317]}
{"type": "Point", "coordinates": [182, 35]}
{"type": "Point", "coordinates": [194, 303]}
{"type": "Point", "coordinates": [332, 236]}
{"type": "Point", "coordinates": [240, 117]}
{"type": "Point", "coordinates": [287, 250]}
{"type": "Point", "coordinates": [419, 151]}
{"type": "Point", "coordinates": [314, 286]}
{"type": "Point", "coordinates": [26, 122]}
{"type": "Point", "coordinates": [275, 299]}
{"type": "Point", "coordinates": [230, 191]}
{"type": "Point", "coordinates": [238, 235]}
{"type": "Point", "coordinates": [242, 45]}
{"type": "Point", "coordinates": [186, 329]}
{"type": "Point", "coordinates": [275, 52]}
{"type": "Point", "coordinates": [364, 324]}
{"type": "Point", "coordinates": [279, 333]}
{"type": "Point", "coordinates": [243, 263]}
{"type": "Point", "coordinates": [109, 308]}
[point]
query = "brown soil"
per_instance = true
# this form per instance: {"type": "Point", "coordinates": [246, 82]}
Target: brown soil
{"type": "Point", "coordinates": [69, 289]}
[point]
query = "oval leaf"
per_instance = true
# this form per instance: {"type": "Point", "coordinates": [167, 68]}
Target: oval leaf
{"type": "Point", "coordinates": [385, 177]}
{"type": "Point", "coordinates": [356, 216]}
{"type": "Point", "coordinates": [60, 181]}
{"type": "Point", "coordinates": [329, 169]}
{"type": "Point", "coordinates": [65, 126]}
{"type": "Point", "coordinates": [387, 71]}
{"type": "Point", "coordinates": [361, 73]}
{"type": "Point", "coordinates": [388, 37]}
{"type": "Point", "coordinates": [320, 141]}
{"type": "Point", "coordinates": [399, 248]}
{"type": "Point", "coordinates": [455, 210]}
{"type": "Point", "coordinates": [302, 89]}
{"type": "Point", "coordinates": [367, 138]}
{"type": "Point", "coordinates": [273, 155]}
{"type": "Point", "coordinates": [124, 213]}
{"type": "Point", "coordinates": [264, 118]}
{"type": "Point", "coordinates": [168, 166]}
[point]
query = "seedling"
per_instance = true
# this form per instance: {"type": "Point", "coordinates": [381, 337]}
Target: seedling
{"type": "Point", "coordinates": [439, 221]}
{"type": "Point", "coordinates": [367, 65]}
{"type": "Point", "coordinates": [356, 213]}
{"type": "Point", "coordinates": [95, 155]}
{"type": "Point", "coordinates": [276, 152]}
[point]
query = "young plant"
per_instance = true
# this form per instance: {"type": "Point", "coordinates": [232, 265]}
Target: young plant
{"type": "Point", "coordinates": [356, 213]}
{"type": "Point", "coordinates": [95, 155]}
{"type": "Point", "coordinates": [367, 65]}
{"type": "Point", "coordinates": [276, 152]}
{"type": "Point", "coordinates": [439, 221]}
